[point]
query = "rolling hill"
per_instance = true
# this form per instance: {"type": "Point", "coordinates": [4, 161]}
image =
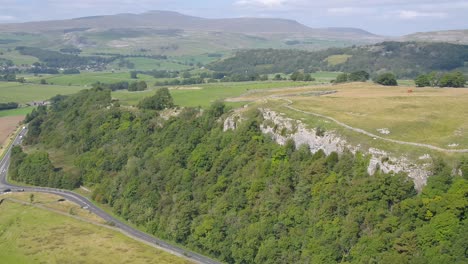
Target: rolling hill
{"type": "Point", "coordinates": [174, 20]}
{"type": "Point", "coordinates": [450, 36]}
{"type": "Point", "coordinates": [405, 59]}
{"type": "Point", "coordinates": [175, 34]}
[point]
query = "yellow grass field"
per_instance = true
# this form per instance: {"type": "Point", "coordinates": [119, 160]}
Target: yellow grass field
{"type": "Point", "coordinates": [434, 116]}
{"type": "Point", "coordinates": [29, 234]}
{"type": "Point", "coordinates": [8, 126]}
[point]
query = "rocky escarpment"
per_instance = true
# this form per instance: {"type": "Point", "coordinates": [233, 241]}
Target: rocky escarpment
{"type": "Point", "coordinates": [281, 129]}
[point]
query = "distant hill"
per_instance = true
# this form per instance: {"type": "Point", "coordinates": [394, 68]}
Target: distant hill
{"type": "Point", "coordinates": [449, 36]}
{"type": "Point", "coordinates": [174, 20]}
{"type": "Point", "coordinates": [406, 59]}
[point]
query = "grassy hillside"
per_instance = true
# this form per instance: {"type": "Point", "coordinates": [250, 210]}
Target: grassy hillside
{"type": "Point", "coordinates": [173, 34]}
{"type": "Point", "coordinates": [450, 36]}
{"type": "Point", "coordinates": [238, 196]}
{"type": "Point", "coordinates": [405, 59]}
{"type": "Point", "coordinates": [431, 116]}
{"type": "Point", "coordinates": [32, 235]}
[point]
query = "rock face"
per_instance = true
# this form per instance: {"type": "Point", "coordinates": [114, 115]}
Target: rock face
{"type": "Point", "coordinates": [281, 129]}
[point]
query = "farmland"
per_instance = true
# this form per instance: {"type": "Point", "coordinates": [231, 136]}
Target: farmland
{"type": "Point", "coordinates": [36, 235]}
{"type": "Point", "coordinates": [7, 126]}
{"type": "Point", "coordinates": [204, 95]}
{"type": "Point", "coordinates": [25, 93]}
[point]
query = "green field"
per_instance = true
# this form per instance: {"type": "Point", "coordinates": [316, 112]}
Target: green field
{"type": "Point", "coordinates": [88, 78]}
{"type": "Point", "coordinates": [25, 93]}
{"type": "Point", "coordinates": [337, 59]}
{"type": "Point", "coordinates": [16, 112]}
{"type": "Point", "coordinates": [32, 235]}
{"type": "Point", "coordinates": [204, 95]}
{"type": "Point", "coordinates": [17, 58]}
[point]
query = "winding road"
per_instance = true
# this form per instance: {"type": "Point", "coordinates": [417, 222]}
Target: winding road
{"type": "Point", "coordinates": [86, 203]}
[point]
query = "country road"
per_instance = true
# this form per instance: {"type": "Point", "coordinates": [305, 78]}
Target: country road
{"type": "Point", "coordinates": [86, 203]}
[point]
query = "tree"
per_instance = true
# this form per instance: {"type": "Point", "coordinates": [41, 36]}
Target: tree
{"type": "Point", "coordinates": [387, 79]}
{"type": "Point", "coordinates": [31, 198]}
{"type": "Point", "coordinates": [134, 74]}
{"type": "Point", "coordinates": [452, 79]}
{"type": "Point", "coordinates": [422, 81]}
{"type": "Point", "coordinates": [278, 77]}
{"type": "Point", "coordinates": [186, 75]}
{"type": "Point", "coordinates": [297, 76]}
{"type": "Point", "coordinates": [137, 86]}
{"type": "Point", "coordinates": [161, 100]}
{"type": "Point", "coordinates": [308, 78]}
{"type": "Point", "coordinates": [43, 81]}
{"type": "Point", "coordinates": [341, 78]}
{"type": "Point", "coordinates": [358, 76]}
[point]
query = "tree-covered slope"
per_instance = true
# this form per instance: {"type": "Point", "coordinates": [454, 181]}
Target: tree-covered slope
{"type": "Point", "coordinates": [241, 198]}
{"type": "Point", "coordinates": [405, 59]}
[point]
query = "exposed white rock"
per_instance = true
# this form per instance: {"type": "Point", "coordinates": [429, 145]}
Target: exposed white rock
{"type": "Point", "coordinates": [282, 128]}
{"type": "Point", "coordinates": [425, 157]}
{"type": "Point", "coordinates": [383, 131]}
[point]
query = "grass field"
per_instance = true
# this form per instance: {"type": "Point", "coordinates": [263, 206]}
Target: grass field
{"type": "Point", "coordinates": [428, 115]}
{"type": "Point", "coordinates": [204, 95]}
{"type": "Point", "coordinates": [88, 78]}
{"type": "Point", "coordinates": [25, 93]}
{"type": "Point", "coordinates": [16, 112]}
{"type": "Point", "coordinates": [17, 58]}
{"type": "Point", "coordinates": [32, 235]}
{"type": "Point", "coordinates": [337, 59]}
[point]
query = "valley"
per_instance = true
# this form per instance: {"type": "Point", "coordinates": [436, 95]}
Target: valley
{"type": "Point", "coordinates": [161, 137]}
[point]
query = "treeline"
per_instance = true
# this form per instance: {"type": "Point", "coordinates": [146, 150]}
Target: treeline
{"type": "Point", "coordinates": [9, 77]}
{"type": "Point", "coordinates": [10, 105]}
{"type": "Point", "coordinates": [124, 85]}
{"type": "Point", "coordinates": [55, 59]}
{"type": "Point", "coordinates": [123, 56]}
{"type": "Point", "coordinates": [404, 59]}
{"type": "Point", "coordinates": [241, 198]}
{"type": "Point", "coordinates": [436, 79]}
{"type": "Point", "coordinates": [37, 169]}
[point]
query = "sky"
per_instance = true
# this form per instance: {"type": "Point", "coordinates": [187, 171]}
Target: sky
{"type": "Point", "coordinates": [383, 17]}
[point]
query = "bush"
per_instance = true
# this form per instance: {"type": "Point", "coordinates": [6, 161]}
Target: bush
{"type": "Point", "coordinates": [161, 100]}
{"type": "Point", "coordinates": [387, 79]}
{"type": "Point", "coordinates": [358, 76]}
{"type": "Point", "coordinates": [422, 81]}
{"type": "Point", "coordinates": [342, 78]}
{"type": "Point", "coordinates": [452, 79]}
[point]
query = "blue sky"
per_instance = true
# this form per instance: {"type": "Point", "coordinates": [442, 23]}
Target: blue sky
{"type": "Point", "coordinates": [385, 17]}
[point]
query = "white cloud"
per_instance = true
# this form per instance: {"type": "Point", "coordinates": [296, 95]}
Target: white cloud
{"type": "Point", "coordinates": [346, 11]}
{"type": "Point", "coordinates": [7, 18]}
{"type": "Point", "coordinates": [261, 3]}
{"type": "Point", "coordinates": [411, 14]}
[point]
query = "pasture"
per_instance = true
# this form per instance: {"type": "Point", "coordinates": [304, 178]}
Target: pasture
{"type": "Point", "coordinates": [25, 93]}
{"type": "Point", "coordinates": [205, 94]}
{"type": "Point", "coordinates": [431, 116]}
{"type": "Point", "coordinates": [36, 235]}
{"type": "Point", "coordinates": [86, 79]}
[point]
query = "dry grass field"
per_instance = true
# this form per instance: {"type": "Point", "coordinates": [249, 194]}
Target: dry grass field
{"type": "Point", "coordinates": [29, 234]}
{"type": "Point", "coordinates": [8, 126]}
{"type": "Point", "coordinates": [433, 116]}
